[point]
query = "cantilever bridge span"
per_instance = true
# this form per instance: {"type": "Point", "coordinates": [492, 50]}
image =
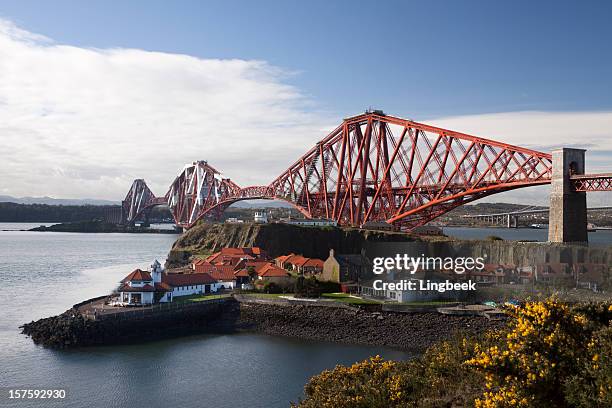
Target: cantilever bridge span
{"type": "Point", "coordinates": [372, 167]}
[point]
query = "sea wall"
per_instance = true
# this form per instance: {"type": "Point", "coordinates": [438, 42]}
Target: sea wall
{"type": "Point", "coordinates": [329, 322]}
{"type": "Point", "coordinates": [75, 329]}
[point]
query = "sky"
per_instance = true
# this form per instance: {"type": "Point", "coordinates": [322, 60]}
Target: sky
{"type": "Point", "coordinates": [95, 94]}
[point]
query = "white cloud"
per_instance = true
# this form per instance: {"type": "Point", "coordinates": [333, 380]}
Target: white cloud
{"type": "Point", "coordinates": [84, 122]}
{"type": "Point", "coordinates": [544, 131]}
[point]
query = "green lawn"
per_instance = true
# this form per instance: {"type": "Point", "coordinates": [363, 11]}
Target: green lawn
{"type": "Point", "coordinates": [198, 298]}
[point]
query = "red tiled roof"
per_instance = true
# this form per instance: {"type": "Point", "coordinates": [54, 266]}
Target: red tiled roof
{"type": "Point", "coordinates": [145, 288]}
{"type": "Point", "coordinates": [314, 262]}
{"type": "Point", "coordinates": [271, 270]}
{"type": "Point", "coordinates": [184, 279]}
{"type": "Point", "coordinates": [257, 265]}
{"type": "Point", "coordinates": [283, 258]}
{"type": "Point", "coordinates": [137, 275]}
{"type": "Point", "coordinates": [241, 273]}
{"type": "Point", "coordinates": [223, 272]}
{"type": "Point", "coordinates": [162, 287]}
{"type": "Point", "coordinates": [219, 272]}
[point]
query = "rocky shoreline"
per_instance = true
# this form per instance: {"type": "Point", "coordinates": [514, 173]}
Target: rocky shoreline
{"type": "Point", "coordinates": [408, 331]}
{"type": "Point", "coordinates": [100, 227]}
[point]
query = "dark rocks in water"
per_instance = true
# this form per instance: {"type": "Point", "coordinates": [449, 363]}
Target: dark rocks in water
{"type": "Point", "coordinates": [62, 331]}
{"type": "Point", "coordinates": [72, 329]}
{"type": "Point", "coordinates": [341, 324]}
{"type": "Point", "coordinates": [410, 331]}
{"type": "Point", "coordinates": [99, 227]}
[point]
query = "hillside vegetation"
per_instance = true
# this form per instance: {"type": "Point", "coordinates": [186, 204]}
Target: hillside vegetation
{"type": "Point", "coordinates": [277, 239]}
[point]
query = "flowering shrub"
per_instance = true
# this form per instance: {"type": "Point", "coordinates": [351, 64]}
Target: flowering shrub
{"type": "Point", "coordinates": [550, 355]}
{"type": "Point", "coordinates": [546, 345]}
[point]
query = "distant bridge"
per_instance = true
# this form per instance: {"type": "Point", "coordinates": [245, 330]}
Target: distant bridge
{"type": "Point", "coordinates": [510, 218]}
{"type": "Point", "coordinates": [372, 167]}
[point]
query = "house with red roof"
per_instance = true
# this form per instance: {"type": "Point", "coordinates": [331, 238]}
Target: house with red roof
{"type": "Point", "coordinates": [232, 256]}
{"type": "Point", "coordinates": [157, 286]}
{"type": "Point", "coordinates": [300, 264]}
{"type": "Point", "coordinates": [273, 273]}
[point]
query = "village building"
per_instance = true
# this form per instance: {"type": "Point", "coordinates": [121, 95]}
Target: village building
{"type": "Point", "coordinates": [591, 275]}
{"type": "Point", "coordinates": [312, 267]}
{"type": "Point", "coordinates": [346, 269]}
{"type": "Point", "coordinates": [232, 256]}
{"type": "Point", "coordinates": [555, 273]}
{"type": "Point", "coordinates": [260, 217]}
{"type": "Point", "coordinates": [275, 274]}
{"type": "Point", "coordinates": [525, 274]}
{"type": "Point", "coordinates": [141, 288]}
{"type": "Point", "coordinates": [137, 288]}
{"type": "Point", "coordinates": [300, 264]}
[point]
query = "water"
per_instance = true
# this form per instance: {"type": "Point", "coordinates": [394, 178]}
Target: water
{"type": "Point", "coordinates": [596, 238]}
{"type": "Point", "coordinates": [43, 274]}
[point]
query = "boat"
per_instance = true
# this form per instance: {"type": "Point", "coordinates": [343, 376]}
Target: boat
{"type": "Point", "coordinates": [539, 226]}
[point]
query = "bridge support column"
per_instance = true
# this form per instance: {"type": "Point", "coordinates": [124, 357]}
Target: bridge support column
{"type": "Point", "coordinates": [567, 219]}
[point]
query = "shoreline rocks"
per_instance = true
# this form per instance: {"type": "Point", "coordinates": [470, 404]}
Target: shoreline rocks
{"type": "Point", "coordinates": [408, 331]}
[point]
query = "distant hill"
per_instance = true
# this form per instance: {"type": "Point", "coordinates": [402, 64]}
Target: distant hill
{"type": "Point", "coordinates": [56, 201]}
{"type": "Point", "coordinates": [262, 204]}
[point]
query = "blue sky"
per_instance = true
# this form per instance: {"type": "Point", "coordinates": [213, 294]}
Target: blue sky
{"type": "Point", "coordinates": [94, 92]}
{"type": "Point", "coordinates": [424, 59]}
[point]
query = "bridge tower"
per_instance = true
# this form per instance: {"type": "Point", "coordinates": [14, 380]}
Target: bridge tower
{"type": "Point", "coordinates": [567, 219]}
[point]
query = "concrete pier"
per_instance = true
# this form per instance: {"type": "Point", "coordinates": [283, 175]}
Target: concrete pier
{"type": "Point", "coordinates": [567, 218]}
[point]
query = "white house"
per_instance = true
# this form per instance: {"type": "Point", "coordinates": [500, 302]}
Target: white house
{"type": "Point", "coordinates": [156, 286]}
{"type": "Point", "coordinates": [260, 217]}
{"type": "Point", "coordinates": [137, 288]}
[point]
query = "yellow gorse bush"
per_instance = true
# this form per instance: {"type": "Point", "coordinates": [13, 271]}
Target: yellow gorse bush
{"type": "Point", "coordinates": [549, 355]}
{"type": "Point", "coordinates": [544, 344]}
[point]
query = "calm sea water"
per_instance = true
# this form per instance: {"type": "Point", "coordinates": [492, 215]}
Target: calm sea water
{"type": "Point", "coordinates": [597, 238]}
{"type": "Point", "coordinates": [43, 274]}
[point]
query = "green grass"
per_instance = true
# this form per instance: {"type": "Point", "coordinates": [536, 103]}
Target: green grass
{"type": "Point", "coordinates": [198, 298]}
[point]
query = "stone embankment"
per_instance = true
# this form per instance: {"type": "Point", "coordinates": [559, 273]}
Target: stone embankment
{"type": "Point", "coordinates": [351, 325]}
{"type": "Point", "coordinates": [321, 322]}
{"type": "Point", "coordinates": [75, 328]}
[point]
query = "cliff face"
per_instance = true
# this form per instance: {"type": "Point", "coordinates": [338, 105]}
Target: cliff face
{"type": "Point", "coordinates": [281, 239]}
{"type": "Point", "coordinates": [277, 239]}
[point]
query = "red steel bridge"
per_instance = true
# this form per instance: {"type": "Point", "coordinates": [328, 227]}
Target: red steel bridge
{"type": "Point", "coordinates": [372, 167]}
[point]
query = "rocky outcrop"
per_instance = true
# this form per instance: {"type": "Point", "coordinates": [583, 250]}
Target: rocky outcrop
{"type": "Point", "coordinates": [277, 239]}
{"type": "Point", "coordinates": [73, 329]}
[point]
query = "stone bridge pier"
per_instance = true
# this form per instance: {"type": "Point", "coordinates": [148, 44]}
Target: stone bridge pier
{"type": "Point", "coordinates": [567, 219]}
